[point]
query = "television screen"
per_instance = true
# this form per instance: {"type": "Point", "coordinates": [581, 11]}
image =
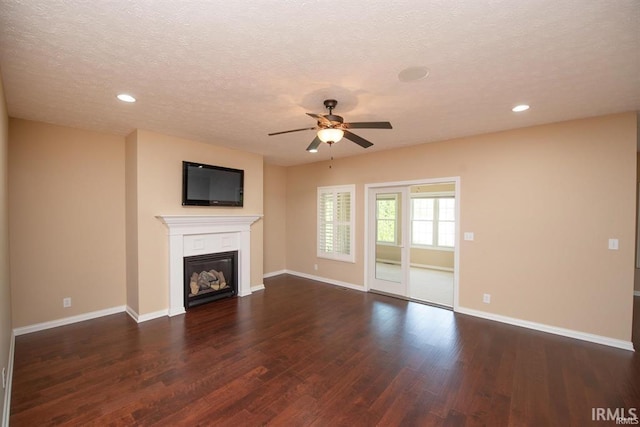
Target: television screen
{"type": "Point", "coordinates": [206, 185]}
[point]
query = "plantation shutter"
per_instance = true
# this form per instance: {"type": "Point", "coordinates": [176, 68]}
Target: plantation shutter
{"type": "Point", "coordinates": [335, 222]}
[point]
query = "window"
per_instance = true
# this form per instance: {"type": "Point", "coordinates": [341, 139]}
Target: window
{"type": "Point", "coordinates": [422, 220]}
{"type": "Point", "coordinates": [433, 221]}
{"type": "Point", "coordinates": [387, 219]}
{"type": "Point", "coordinates": [336, 212]}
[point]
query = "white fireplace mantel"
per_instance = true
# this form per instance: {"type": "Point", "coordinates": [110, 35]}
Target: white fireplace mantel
{"type": "Point", "coordinates": [203, 234]}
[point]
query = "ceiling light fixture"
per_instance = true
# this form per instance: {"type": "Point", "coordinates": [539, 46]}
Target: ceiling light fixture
{"type": "Point", "coordinates": [126, 98]}
{"type": "Point", "coordinates": [330, 135]}
{"type": "Point", "coordinates": [520, 108]}
{"type": "Point", "coordinates": [312, 150]}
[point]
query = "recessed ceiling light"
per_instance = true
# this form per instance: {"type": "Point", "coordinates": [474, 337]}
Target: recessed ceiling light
{"type": "Point", "coordinates": [412, 74]}
{"type": "Point", "coordinates": [126, 98]}
{"type": "Point", "coordinates": [519, 108]}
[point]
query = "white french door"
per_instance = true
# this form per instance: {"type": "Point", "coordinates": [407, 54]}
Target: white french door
{"type": "Point", "coordinates": [412, 240]}
{"type": "Point", "coordinates": [388, 232]}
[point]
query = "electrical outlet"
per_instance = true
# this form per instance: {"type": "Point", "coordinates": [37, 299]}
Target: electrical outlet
{"type": "Point", "coordinates": [315, 267]}
{"type": "Point", "coordinates": [66, 302]}
{"type": "Point", "coordinates": [486, 298]}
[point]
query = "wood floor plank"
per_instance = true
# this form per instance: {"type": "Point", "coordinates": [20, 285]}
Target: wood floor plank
{"type": "Point", "coordinates": [303, 353]}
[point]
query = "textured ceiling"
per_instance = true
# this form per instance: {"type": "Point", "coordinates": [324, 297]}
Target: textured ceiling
{"type": "Point", "coordinates": [228, 73]}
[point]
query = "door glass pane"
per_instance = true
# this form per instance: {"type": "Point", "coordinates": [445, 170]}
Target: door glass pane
{"type": "Point", "coordinates": [386, 217]}
{"type": "Point", "coordinates": [422, 233]}
{"type": "Point", "coordinates": [388, 244]}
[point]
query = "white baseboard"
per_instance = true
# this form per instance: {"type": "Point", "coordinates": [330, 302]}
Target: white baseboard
{"type": "Point", "coordinates": [132, 313]}
{"type": "Point", "coordinates": [598, 339]}
{"type": "Point", "coordinates": [139, 318]}
{"type": "Point", "coordinates": [325, 280]}
{"type": "Point", "coordinates": [256, 288]}
{"type": "Point", "coordinates": [274, 273]}
{"type": "Point", "coordinates": [153, 315]}
{"type": "Point", "coordinates": [7, 391]}
{"type": "Point", "coordinates": [636, 293]}
{"type": "Point", "coordinates": [67, 320]}
{"type": "Point", "coordinates": [175, 311]}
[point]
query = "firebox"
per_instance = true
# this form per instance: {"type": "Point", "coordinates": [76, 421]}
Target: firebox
{"type": "Point", "coordinates": [210, 277]}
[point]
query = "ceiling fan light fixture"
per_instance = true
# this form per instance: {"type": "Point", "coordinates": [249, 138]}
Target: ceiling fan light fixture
{"type": "Point", "coordinates": [331, 135]}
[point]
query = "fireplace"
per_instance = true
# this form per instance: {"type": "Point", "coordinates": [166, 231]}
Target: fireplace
{"type": "Point", "coordinates": [191, 235]}
{"type": "Point", "coordinates": [210, 277]}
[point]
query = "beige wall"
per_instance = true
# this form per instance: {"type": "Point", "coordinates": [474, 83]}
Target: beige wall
{"type": "Point", "coordinates": [66, 216]}
{"type": "Point", "coordinates": [158, 172]}
{"type": "Point", "coordinates": [5, 285]}
{"type": "Point", "coordinates": [275, 218]}
{"type": "Point", "coordinates": [77, 232]}
{"type": "Point", "coordinates": [131, 203]}
{"type": "Point", "coordinates": [529, 196]}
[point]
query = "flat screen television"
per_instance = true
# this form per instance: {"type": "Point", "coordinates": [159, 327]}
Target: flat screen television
{"type": "Point", "coordinates": [206, 185]}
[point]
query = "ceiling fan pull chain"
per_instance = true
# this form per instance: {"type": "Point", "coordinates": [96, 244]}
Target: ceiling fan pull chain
{"type": "Point", "coordinates": [330, 161]}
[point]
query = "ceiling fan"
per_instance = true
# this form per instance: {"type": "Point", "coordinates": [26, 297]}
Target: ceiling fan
{"type": "Point", "coordinates": [331, 128]}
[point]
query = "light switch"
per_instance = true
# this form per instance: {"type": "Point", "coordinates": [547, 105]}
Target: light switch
{"type": "Point", "coordinates": [468, 235]}
{"type": "Point", "coordinates": [613, 244]}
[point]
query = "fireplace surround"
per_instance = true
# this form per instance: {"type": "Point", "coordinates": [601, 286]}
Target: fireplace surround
{"type": "Point", "coordinates": [191, 235]}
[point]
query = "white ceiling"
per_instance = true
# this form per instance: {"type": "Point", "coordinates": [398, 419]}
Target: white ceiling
{"type": "Point", "coordinates": [228, 72]}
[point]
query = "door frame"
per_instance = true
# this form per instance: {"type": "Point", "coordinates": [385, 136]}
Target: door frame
{"type": "Point", "coordinates": [367, 237]}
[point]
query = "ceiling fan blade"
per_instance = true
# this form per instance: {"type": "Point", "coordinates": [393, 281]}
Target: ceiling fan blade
{"type": "Point", "coordinates": [367, 125]}
{"type": "Point", "coordinates": [288, 131]}
{"type": "Point", "coordinates": [314, 144]}
{"type": "Point", "coordinates": [357, 139]}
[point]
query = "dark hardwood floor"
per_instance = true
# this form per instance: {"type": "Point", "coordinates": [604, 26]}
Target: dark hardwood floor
{"type": "Point", "coordinates": [305, 353]}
